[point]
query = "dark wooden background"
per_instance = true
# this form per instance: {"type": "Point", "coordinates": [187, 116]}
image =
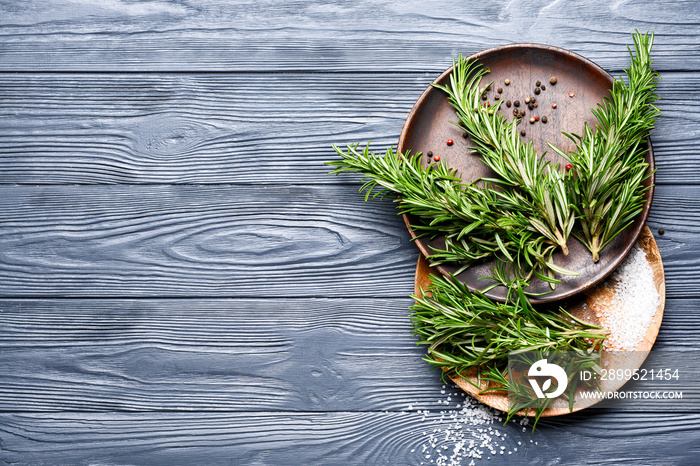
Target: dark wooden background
{"type": "Point", "coordinates": [181, 282]}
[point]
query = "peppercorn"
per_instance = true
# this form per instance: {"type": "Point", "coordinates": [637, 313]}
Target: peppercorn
{"type": "Point", "coordinates": [532, 121]}
{"type": "Point", "coordinates": [531, 106]}
{"type": "Point", "coordinates": [661, 231]}
{"type": "Point", "coordinates": [569, 167]}
{"type": "Point", "coordinates": [534, 105]}
{"type": "Point", "coordinates": [450, 142]}
{"type": "Point", "coordinates": [508, 103]}
{"type": "Point", "coordinates": [516, 103]}
{"type": "Point", "coordinates": [537, 83]}
{"type": "Point", "coordinates": [532, 100]}
{"type": "Point", "coordinates": [537, 118]}
{"type": "Point", "coordinates": [537, 90]}
{"type": "Point", "coordinates": [522, 114]}
{"type": "Point", "coordinates": [465, 135]}
{"type": "Point", "coordinates": [507, 82]}
{"type": "Point", "coordinates": [527, 100]}
{"type": "Point", "coordinates": [571, 93]}
{"type": "Point", "coordinates": [516, 112]}
{"type": "Point", "coordinates": [436, 158]}
{"type": "Point", "coordinates": [497, 96]}
{"type": "Point", "coordinates": [522, 133]}
{"type": "Point", "coordinates": [544, 119]}
{"type": "Point", "coordinates": [554, 105]}
{"type": "Point", "coordinates": [500, 90]}
{"type": "Point", "coordinates": [430, 153]}
{"type": "Point", "coordinates": [553, 80]}
{"type": "Point", "coordinates": [490, 111]}
{"type": "Point", "coordinates": [483, 96]}
{"type": "Point", "coordinates": [542, 87]}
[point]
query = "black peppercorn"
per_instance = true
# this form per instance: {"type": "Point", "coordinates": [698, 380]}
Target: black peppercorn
{"type": "Point", "coordinates": [538, 83]}
{"type": "Point", "coordinates": [500, 90]}
{"type": "Point", "coordinates": [516, 112]}
{"type": "Point", "coordinates": [497, 96]}
{"type": "Point", "coordinates": [522, 133]}
{"type": "Point", "coordinates": [537, 90]}
{"type": "Point", "coordinates": [661, 231]}
{"type": "Point", "coordinates": [430, 153]}
{"type": "Point", "coordinates": [544, 119]}
{"type": "Point", "coordinates": [464, 135]}
{"type": "Point", "coordinates": [508, 103]}
{"type": "Point", "coordinates": [531, 106]}
{"type": "Point", "coordinates": [532, 100]}
{"type": "Point", "coordinates": [484, 97]}
{"type": "Point", "coordinates": [516, 103]}
{"type": "Point", "coordinates": [542, 87]}
{"type": "Point", "coordinates": [553, 80]}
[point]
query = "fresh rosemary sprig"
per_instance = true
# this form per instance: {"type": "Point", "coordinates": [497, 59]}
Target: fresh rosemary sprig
{"type": "Point", "coordinates": [538, 185]}
{"type": "Point", "coordinates": [609, 162]}
{"type": "Point", "coordinates": [465, 330]}
{"type": "Point", "coordinates": [477, 222]}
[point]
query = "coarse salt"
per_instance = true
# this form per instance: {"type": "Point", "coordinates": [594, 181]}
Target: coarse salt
{"type": "Point", "coordinates": [633, 305]}
{"type": "Point", "coordinates": [466, 436]}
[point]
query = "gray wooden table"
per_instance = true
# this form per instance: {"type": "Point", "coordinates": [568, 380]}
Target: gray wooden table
{"type": "Point", "coordinates": [182, 283]}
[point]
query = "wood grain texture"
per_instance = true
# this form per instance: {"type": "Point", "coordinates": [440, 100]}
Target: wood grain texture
{"type": "Point", "coordinates": [330, 438]}
{"type": "Point", "coordinates": [242, 128]}
{"type": "Point", "coordinates": [329, 36]}
{"type": "Point", "coordinates": [200, 241]}
{"type": "Point", "coordinates": [229, 354]}
{"type": "Point", "coordinates": [211, 355]}
{"type": "Point", "coordinates": [141, 241]}
{"type": "Point", "coordinates": [264, 379]}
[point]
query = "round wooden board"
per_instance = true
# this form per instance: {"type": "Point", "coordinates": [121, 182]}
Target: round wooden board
{"type": "Point", "coordinates": [429, 125]}
{"type": "Point", "coordinates": [585, 307]}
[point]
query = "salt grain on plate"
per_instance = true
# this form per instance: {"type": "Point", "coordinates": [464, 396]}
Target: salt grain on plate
{"type": "Point", "coordinates": [633, 305]}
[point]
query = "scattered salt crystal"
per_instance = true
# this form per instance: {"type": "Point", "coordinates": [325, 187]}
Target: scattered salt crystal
{"type": "Point", "coordinates": [463, 433]}
{"type": "Point", "coordinates": [634, 302]}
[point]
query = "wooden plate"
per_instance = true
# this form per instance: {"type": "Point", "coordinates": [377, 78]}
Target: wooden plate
{"type": "Point", "coordinates": [595, 301]}
{"type": "Point", "coordinates": [428, 127]}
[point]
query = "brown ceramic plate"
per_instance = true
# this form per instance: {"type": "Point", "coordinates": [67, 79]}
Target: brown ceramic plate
{"type": "Point", "coordinates": [429, 126]}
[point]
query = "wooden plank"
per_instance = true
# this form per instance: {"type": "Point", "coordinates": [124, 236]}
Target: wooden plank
{"type": "Point", "coordinates": [371, 36]}
{"type": "Point", "coordinates": [144, 241]}
{"type": "Point", "coordinates": [230, 354]}
{"type": "Point", "coordinates": [249, 128]}
{"type": "Point", "coordinates": [211, 355]}
{"type": "Point", "coordinates": [333, 438]}
{"type": "Point", "coordinates": [201, 241]}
